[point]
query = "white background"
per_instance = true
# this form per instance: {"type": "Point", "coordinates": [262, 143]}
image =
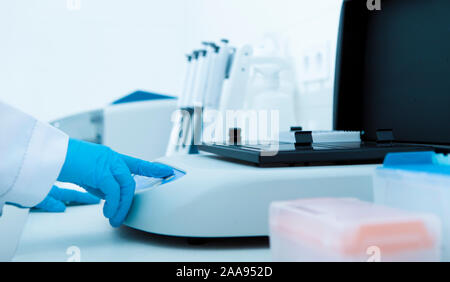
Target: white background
{"type": "Point", "coordinates": [55, 61]}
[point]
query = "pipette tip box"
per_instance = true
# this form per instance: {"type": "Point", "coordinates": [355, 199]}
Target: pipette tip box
{"type": "Point", "coordinates": [344, 229]}
{"type": "Point", "coordinates": [418, 182]}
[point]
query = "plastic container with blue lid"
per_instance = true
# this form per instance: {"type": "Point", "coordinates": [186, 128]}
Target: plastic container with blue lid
{"type": "Point", "coordinates": [417, 182]}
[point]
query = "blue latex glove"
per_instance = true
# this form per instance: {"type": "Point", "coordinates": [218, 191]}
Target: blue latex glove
{"type": "Point", "coordinates": [57, 199]}
{"type": "Point", "coordinates": [107, 174]}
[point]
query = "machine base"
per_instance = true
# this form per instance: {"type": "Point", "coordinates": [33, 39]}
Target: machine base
{"type": "Point", "coordinates": [219, 198]}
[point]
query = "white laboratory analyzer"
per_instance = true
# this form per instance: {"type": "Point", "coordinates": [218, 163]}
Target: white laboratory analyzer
{"type": "Point", "coordinates": [137, 124]}
{"type": "Point", "coordinates": [226, 190]}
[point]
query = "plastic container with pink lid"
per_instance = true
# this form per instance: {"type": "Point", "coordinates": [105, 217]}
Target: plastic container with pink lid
{"type": "Point", "coordinates": [343, 229]}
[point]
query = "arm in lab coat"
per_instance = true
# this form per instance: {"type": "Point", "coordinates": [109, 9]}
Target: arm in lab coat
{"type": "Point", "coordinates": [32, 154]}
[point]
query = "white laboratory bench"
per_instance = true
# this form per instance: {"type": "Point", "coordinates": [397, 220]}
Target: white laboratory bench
{"type": "Point", "coordinates": [48, 236]}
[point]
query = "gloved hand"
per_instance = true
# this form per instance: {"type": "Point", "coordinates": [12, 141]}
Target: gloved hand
{"type": "Point", "coordinates": [107, 174]}
{"type": "Point", "coordinates": [57, 199]}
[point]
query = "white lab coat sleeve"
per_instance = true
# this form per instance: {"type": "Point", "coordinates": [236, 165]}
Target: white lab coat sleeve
{"type": "Point", "coordinates": [32, 154]}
